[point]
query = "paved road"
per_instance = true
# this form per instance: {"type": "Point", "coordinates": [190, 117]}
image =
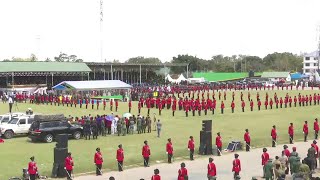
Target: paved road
{"type": "Point", "coordinates": [251, 166]}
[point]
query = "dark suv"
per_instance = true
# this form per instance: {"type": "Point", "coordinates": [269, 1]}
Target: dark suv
{"type": "Point", "coordinates": [47, 130]}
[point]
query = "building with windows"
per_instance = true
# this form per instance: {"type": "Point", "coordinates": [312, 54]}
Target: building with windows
{"type": "Point", "coordinates": [310, 63]}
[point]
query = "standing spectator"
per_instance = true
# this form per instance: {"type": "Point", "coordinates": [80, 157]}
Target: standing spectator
{"type": "Point", "coordinates": [159, 126]}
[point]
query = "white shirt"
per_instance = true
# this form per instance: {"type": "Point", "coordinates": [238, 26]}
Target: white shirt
{"type": "Point", "coordinates": [10, 100]}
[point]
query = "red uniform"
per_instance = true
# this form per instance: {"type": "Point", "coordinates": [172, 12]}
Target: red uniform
{"type": "Point", "coordinates": [264, 158]}
{"type": "Point", "coordinates": [290, 130]}
{"type": "Point", "coordinates": [305, 129]}
{"type": "Point", "coordinates": [218, 141]}
{"type": "Point", "coordinates": [287, 152]}
{"type": "Point", "coordinates": [68, 163]}
{"type": "Point", "coordinates": [212, 171]}
{"type": "Point", "coordinates": [316, 126]}
{"type": "Point", "coordinates": [32, 168]}
{"type": "Point", "coordinates": [246, 137]}
{"type": "Point", "coordinates": [146, 151]}
{"type": "Point", "coordinates": [182, 173]}
{"type": "Point", "coordinates": [98, 158]}
{"type": "Point", "coordinates": [191, 144]}
{"type": "Point", "coordinates": [236, 165]}
{"type": "Point", "coordinates": [156, 177]}
{"type": "Point", "coordinates": [169, 148]}
{"type": "Point", "coordinates": [120, 154]}
{"type": "Point", "coordinates": [274, 133]}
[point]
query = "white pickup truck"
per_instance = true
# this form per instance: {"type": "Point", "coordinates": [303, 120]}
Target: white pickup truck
{"type": "Point", "coordinates": [5, 118]}
{"type": "Point", "coordinates": [17, 125]}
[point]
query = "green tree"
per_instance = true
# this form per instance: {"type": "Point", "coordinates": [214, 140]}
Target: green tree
{"type": "Point", "coordinates": [143, 60]}
{"type": "Point", "coordinates": [62, 57]}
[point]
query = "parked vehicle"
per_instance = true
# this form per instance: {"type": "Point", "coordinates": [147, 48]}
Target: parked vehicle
{"type": "Point", "coordinates": [5, 118]}
{"type": "Point", "coordinates": [15, 126]}
{"type": "Point", "coordinates": [46, 129]}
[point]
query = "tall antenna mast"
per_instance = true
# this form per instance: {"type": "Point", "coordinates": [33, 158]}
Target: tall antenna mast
{"type": "Point", "coordinates": [101, 31]}
{"type": "Point", "coordinates": [318, 48]}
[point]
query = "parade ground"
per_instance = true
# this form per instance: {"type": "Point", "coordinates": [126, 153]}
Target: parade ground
{"type": "Point", "coordinates": [15, 153]}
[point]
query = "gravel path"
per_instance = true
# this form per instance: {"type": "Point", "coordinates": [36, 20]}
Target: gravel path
{"type": "Point", "coordinates": [250, 161]}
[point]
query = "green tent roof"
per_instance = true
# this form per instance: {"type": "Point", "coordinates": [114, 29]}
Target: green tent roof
{"type": "Point", "coordinates": [6, 67]}
{"type": "Point", "coordinates": [275, 74]}
{"type": "Point", "coordinates": [212, 76]}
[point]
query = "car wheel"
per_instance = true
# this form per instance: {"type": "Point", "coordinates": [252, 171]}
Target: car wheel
{"type": "Point", "coordinates": [8, 134]}
{"type": "Point", "coordinates": [77, 135]}
{"type": "Point", "coordinates": [48, 138]}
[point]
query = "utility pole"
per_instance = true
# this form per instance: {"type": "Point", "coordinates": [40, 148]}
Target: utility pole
{"type": "Point", "coordinates": [101, 31]}
{"type": "Point", "coordinates": [318, 48]}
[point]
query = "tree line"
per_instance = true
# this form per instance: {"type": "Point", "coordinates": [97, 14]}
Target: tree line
{"type": "Point", "coordinates": [219, 63]}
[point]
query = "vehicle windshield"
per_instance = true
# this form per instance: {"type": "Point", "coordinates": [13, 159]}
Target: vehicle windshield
{"type": "Point", "coordinates": [13, 121]}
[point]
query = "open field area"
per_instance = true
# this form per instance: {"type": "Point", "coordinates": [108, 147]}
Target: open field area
{"type": "Point", "coordinates": [15, 152]}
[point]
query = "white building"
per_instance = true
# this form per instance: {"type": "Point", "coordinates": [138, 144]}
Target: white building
{"type": "Point", "coordinates": [310, 63]}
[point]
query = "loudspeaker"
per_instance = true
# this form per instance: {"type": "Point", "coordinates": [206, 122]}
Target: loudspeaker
{"type": "Point", "coordinates": [60, 154]}
{"type": "Point", "coordinates": [58, 170]}
{"type": "Point", "coordinates": [62, 141]}
{"type": "Point", "coordinates": [205, 143]}
{"type": "Point", "coordinates": [207, 125]}
{"type": "Point", "coordinates": [251, 74]}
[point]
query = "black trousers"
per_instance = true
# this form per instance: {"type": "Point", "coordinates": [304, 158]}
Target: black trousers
{"type": "Point", "coordinates": [146, 161]}
{"type": "Point", "coordinates": [232, 110]}
{"type": "Point", "coordinates": [120, 165]}
{"type": "Point", "coordinates": [193, 113]}
{"type": "Point", "coordinates": [291, 139]}
{"type": "Point", "coordinates": [243, 109]}
{"type": "Point", "coordinates": [32, 176]}
{"type": "Point", "coordinates": [170, 158]}
{"type": "Point", "coordinates": [172, 113]}
{"type": "Point", "coordinates": [186, 113]}
{"type": "Point", "coordinates": [98, 169]}
{"type": "Point", "coordinates": [219, 150]}
{"type": "Point", "coordinates": [199, 113]}
{"type": "Point", "coordinates": [212, 111]}
{"type": "Point", "coordinates": [251, 108]}
{"type": "Point", "coordinates": [274, 140]}
{"type": "Point", "coordinates": [315, 134]}
{"type": "Point", "coordinates": [69, 175]}
{"type": "Point", "coordinates": [221, 111]}
{"type": "Point", "coordinates": [305, 137]}
{"type": "Point", "coordinates": [258, 108]}
{"type": "Point", "coordinates": [247, 146]}
{"type": "Point", "coordinates": [191, 154]}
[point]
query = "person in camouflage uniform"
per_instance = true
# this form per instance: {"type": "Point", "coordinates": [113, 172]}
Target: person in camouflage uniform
{"type": "Point", "coordinates": [103, 128]}
{"type": "Point", "coordinates": [279, 170]}
{"type": "Point", "coordinates": [292, 159]}
{"type": "Point", "coordinates": [119, 127]}
{"type": "Point", "coordinates": [148, 122]}
{"type": "Point", "coordinates": [139, 125]}
{"type": "Point", "coordinates": [305, 171]}
{"type": "Point", "coordinates": [296, 169]}
{"type": "Point", "coordinates": [312, 155]}
{"type": "Point", "coordinates": [94, 128]}
{"type": "Point", "coordinates": [269, 170]}
{"type": "Point", "coordinates": [87, 129]}
{"type": "Point", "coordinates": [131, 124]}
{"type": "Point", "coordinates": [124, 127]}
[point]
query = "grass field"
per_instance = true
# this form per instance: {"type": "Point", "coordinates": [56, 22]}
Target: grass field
{"type": "Point", "coordinates": [15, 152]}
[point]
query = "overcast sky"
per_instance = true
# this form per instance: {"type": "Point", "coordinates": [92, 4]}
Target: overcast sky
{"type": "Point", "coordinates": [157, 28]}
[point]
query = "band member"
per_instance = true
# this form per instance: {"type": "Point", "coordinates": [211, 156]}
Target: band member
{"type": "Point", "coordinates": [183, 172]}
{"type": "Point", "coordinates": [291, 133]}
{"type": "Point", "coordinates": [32, 169]}
{"type": "Point", "coordinates": [305, 130]}
{"type": "Point", "coordinates": [212, 171]}
{"type": "Point", "coordinates": [139, 107]}
{"type": "Point", "coordinates": [270, 103]}
{"type": "Point", "coordinates": [156, 175]}
{"type": "Point", "coordinates": [169, 149]}
{"type": "Point", "coordinates": [247, 140]}
{"type": "Point", "coordinates": [232, 106]}
{"type": "Point", "coordinates": [173, 109]}
{"type": "Point", "coordinates": [316, 128]}
{"type": "Point", "coordinates": [120, 157]}
{"type": "Point", "coordinates": [104, 104]}
{"type": "Point", "coordinates": [251, 105]}
{"type": "Point", "coordinates": [236, 166]}
{"type": "Point", "coordinates": [219, 144]}
{"type": "Point", "coordinates": [117, 105]}
{"type": "Point", "coordinates": [191, 147]}
{"type": "Point", "coordinates": [146, 153]}
{"type": "Point", "coordinates": [259, 104]}
{"type": "Point", "coordinates": [264, 160]}
{"type": "Point", "coordinates": [98, 160]}
{"type": "Point", "coordinates": [222, 107]}
{"type": "Point", "coordinates": [111, 104]}
{"type": "Point", "coordinates": [68, 166]}
{"type": "Point", "coordinates": [130, 105]}
{"type": "Point", "coordinates": [274, 136]}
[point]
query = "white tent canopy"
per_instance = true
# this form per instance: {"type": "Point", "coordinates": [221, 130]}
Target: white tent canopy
{"type": "Point", "coordinates": [181, 78]}
{"type": "Point", "coordinates": [169, 78]}
{"type": "Point", "coordinates": [92, 85]}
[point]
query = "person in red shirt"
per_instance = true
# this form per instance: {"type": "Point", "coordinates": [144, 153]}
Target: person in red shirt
{"type": "Point", "coordinates": [146, 154]}
{"type": "Point", "coordinates": [104, 104]}
{"type": "Point", "coordinates": [291, 133]}
{"type": "Point", "coordinates": [111, 104]}
{"type": "Point", "coordinates": [305, 130]}
{"type": "Point", "coordinates": [290, 101]}
{"type": "Point", "coordinates": [219, 144]}
{"type": "Point", "coordinates": [174, 107]}
{"type": "Point", "coordinates": [243, 105]}
{"type": "Point", "coordinates": [236, 166]}
{"type": "Point", "coordinates": [187, 110]}
{"type": "Point", "coordinates": [264, 160]}
{"type": "Point", "coordinates": [270, 103]}
{"type": "Point", "coordinates": [156, 175]}
{"type": "Point", "coordinates": [225, 95]}
{"type": "Point", "coordinates": [251, 105]}
{"type": "Point", "coordinates": [295, 101]}
{"type": "Point", "coordinates": [139, 107]}
{"type": "Point", "coordinates": [182, 172]}
{"type": "Point", "coordinates": [232, 107]}
{"type": "Point", "coordinates": [317, 151]}
{"type": "Point", "coordinates": [130, 105]}
{"type": "Point", "coordinates": [160, 108]}
{"type": "Point", "coordinates": [191, 147]}
{"type": "Point", "coordinates": [117, 105]}
{"type": "Point", "coordinates": [87, 102]}
{"type": "Point", "coordinates": [212, 171]}
{"type": "Point", "coordinates": [120, 157]}
{"type": "Point", "coordinates": [68, 166]}
{"type": "Point", "coordinates": [169, 149]}
{"type": "Point", "coordinates": [222, 107]}
{"type": "Point", "coordinates": [281, 102]}
{"type": "Point", "coordinates": [259, 104]}
{"type": "Point", "coordinates": [274, 136]}
{"type": "Point", "coordinates": [316, 128]}
{"type": "Point", "coordinates": [97, 102]}
{"type": "Point", "coordinates": [98, 160]}
{"type": "Point", "coordinates": [92, 103]}
{"type": "Point", "coordinates": [286, 151]}
{"type": "Point", "coordinates": [247, 139]}
{"type": "Point", "coordinates": [32, 169]}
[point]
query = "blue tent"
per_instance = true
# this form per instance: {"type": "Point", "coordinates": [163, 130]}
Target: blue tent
{"type": "Point", "coordinates": [297, 76]}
